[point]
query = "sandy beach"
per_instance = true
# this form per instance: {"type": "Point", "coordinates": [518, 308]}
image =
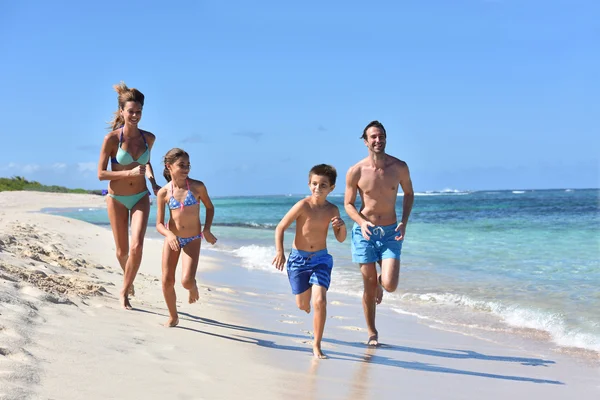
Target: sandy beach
{"type": "Point", "coordinates": [64, 336]}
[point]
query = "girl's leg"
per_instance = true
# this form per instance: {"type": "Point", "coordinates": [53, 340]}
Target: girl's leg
{"type": "Point", "coordinates": [189, 261]}
{"type": "Point", "coordinates": [139, 222]}
{"type": "Point", "coordinates": [169, 265]}
{"type": "Point", "coordinates": [118, 215]}
{"type": "Point", "coordinates": [319, 300]}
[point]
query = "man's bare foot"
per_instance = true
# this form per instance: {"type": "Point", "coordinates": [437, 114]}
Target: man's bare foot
{"type": "Point", "coordinates": [131, 291]}
{"type": "Point", "coordinates": [125, 302]}
{"type": "Point", "coordinates": [194, 294]}
{"type": "Point", "coordinates": [379, 295]}
{"type": "Point", "coordinates": [373, 340]}
{"type": "Point", "coordinates": [318, 353]}
{"type": "Point", "coordinates": [171, 323]}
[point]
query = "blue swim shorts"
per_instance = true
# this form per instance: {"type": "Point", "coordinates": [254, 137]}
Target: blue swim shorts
{"type": "Point", "coordinates": [306, 268]}
{"type": "Point", "coordinates": [382, 245]}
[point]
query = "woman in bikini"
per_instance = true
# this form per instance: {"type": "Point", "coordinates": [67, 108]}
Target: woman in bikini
{"type": "Point", "coordinates": [183, 233]}
{"type": "Point", "coordinates": [128, 149]}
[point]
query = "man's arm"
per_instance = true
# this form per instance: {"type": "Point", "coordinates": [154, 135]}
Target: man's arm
{"type": "Point", "coordinates": [352, 178]}
{"type": "Point", "coordinates": [409, 194]}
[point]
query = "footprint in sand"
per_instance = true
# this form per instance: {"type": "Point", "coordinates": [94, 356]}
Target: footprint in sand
{"type": "Point", "coordinates": [352, 328]}
{"type": "Point", "coordinates": [288, 316]}
{"type": "Point", "coordinates": [285, 321]}
{"type": "Point", "coordinates": [340, 317]}
{"type": "Point", "coordinates": [251, 293]}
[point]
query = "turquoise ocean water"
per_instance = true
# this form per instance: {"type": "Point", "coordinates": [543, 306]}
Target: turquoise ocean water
{"type": "Point", "coordinates": [522, 262]}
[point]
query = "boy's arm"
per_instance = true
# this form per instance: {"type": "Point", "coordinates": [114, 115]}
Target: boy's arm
{"type": "Point", "coordinates": [160, 220]}
{"type": "Point", "coordinates": [210, 213]}
{"type": "Point", "coordinates": [339, 227]}
{"type": "Point", "coordinates": [286, 221]}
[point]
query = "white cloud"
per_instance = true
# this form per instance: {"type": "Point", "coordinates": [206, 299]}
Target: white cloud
{"type": "Point", "coordinates": [59, 167]}
{"type": "Point", "coordinates": [86, 166]}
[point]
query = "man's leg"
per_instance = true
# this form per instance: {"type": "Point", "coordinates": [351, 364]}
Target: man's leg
{"type": "Point", "coordinates": [371, 284]}
{"type": "Point", "coordinates": [390, 274]}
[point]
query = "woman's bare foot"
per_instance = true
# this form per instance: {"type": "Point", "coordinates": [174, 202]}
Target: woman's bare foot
{"type": "Point", "coordinates": [131, 291]}
{"type": "Point", "coordinates": [194, 294]}
{"type": "Point", "coordinates": [318, 353]}
{"type": "Point", "coordinates": [124, 300]}
{"type": "Point", "coordinates": [172, 322]}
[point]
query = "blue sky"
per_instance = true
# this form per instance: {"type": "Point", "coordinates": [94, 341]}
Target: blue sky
{"type": "Point", "coordinates": [474, 94]}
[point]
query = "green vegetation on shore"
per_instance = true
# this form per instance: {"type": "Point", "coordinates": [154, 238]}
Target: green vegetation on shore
{"type": "Point", "coordinates": [20, 183]}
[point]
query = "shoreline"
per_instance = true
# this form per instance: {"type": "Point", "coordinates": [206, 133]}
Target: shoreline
{"type": "Point", "coordinates": [243, 337]}
{"type": "Point", "coordinates": [453, 310]}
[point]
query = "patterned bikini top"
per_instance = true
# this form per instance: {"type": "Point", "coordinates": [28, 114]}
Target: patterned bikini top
{"type": "Point", "coordinates": [189, 200]}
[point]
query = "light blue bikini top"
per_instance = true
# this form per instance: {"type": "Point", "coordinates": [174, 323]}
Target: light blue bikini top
{"type": "Point", "coordinates": [189, 200]}
{"type": "Point", "coordinates": [124, 158]}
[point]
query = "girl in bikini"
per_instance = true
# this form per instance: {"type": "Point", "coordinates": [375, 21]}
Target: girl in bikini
{"type": "Point", "coordinates": [183, 232]}
{"type": "Point", "coordinates": [128, 149]}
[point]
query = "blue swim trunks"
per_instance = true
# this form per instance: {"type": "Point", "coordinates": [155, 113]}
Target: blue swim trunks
{"type": "Point", "coordinates": [382, 245]}
{"type": "Point", "coordinates": [306, 268]}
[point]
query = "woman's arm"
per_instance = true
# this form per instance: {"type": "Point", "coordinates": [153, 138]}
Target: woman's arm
{"type": "Point", "coordinates": [104, 174]}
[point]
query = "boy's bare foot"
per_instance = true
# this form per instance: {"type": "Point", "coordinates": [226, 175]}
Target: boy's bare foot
{"type": "Point", "coordinates": [171, 323]}
{"type": "Point", "coordinates": [318, 353]}
{"type": "Point", "coordinates": [379, 295]}
{"type": "Point", "coordinates": [131, 291]}
{"type": "Point", "coordinates": [373, 340]}
{"type": "Point", "coordinates": [308, 309]}
{"type": "Point", "coordinates": [194, 294]}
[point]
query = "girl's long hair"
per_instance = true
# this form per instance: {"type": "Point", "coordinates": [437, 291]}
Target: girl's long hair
{"type": "Point", "coordinates": [170, 158]}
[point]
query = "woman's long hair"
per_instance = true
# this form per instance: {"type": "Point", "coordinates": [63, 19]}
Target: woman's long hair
{"type": "Point", "coordinates": [125, 94]}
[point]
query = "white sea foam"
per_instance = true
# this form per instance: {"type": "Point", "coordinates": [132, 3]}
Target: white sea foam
{"type": "Point", "coordinates": [257, 257]}
{"type": "Point", "coordinates": [518, 191]}
{"type": "Point", "coordinates": [518, 317]}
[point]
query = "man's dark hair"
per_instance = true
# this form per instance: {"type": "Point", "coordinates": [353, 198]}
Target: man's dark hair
{"type": "Point", "coordinates": [375, 124]}
{"type": "Point", "coordinates": [324, 170]}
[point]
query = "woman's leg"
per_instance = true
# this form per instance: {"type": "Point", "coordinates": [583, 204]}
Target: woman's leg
{"type": "Point", "coordinates": [169, 265]}
{"type": "Point", "coordinates": [189, 261]}
{"type": "Point", "coordinates": [139, 223]}
{"type": "Point", "coordinates": [118, 215]}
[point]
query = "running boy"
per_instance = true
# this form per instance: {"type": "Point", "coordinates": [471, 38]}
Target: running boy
{"type": "Point", "coordinates": [183, 232]}
{"type": "Point", "coordinates": [309, 265]}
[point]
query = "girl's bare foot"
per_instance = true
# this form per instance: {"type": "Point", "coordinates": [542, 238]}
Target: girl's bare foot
{"type": "Point", "coordinates": [194, 294]}
{"type": "Point", "coordinates": [318, 353]}
{"type": "Point", "coordinates": [172, 322]}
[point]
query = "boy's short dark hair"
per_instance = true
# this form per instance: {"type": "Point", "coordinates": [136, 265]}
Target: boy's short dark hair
{"type": "Point", "coordinates": [324, 170]}
{"type": "Point", "coordinates": [371, 124]}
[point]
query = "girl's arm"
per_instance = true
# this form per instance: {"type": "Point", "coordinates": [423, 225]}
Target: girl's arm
{"type": "Point", "coordinates": [210, 213]}
{"type": "Point", "coordinates": [104, 174]}
{"type": "Point", "coordinates": [160, 220]}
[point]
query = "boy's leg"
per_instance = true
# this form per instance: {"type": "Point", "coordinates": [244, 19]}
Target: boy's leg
{"type": "Point", "coordinates": [303, 300]}
{"type": "Point", "coordinates": [319, 300]}
{"type": "Point", "coordinates": [169, 264]}
{"type": "Point", "coordinates": [191, 254]}
{"type": "Point", "coordinates": [370, 293]}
